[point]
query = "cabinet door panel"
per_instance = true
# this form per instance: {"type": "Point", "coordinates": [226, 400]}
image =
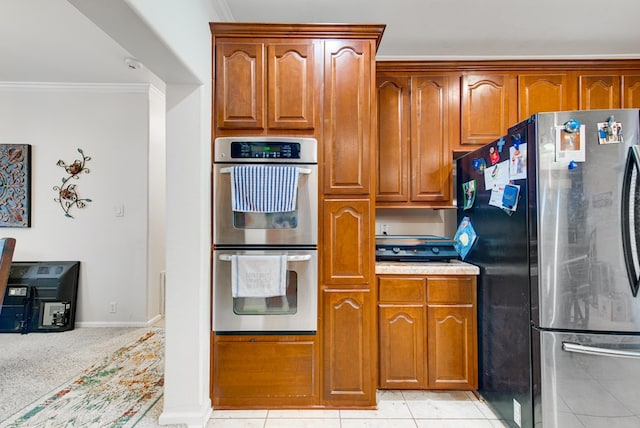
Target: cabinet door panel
{"type": "Point", "coordinates": [631, 91]}
{"type": "Point", "coordinates": [430, 157]}
{"type": "Point", "coordinates": [393, 139]}
{"type": "Point", "coordinates": [264, 371]}
{"type": "Point", "coordinates": [347, 244]}
{"type": "Point", "coordinates": [402, 354]}
{"type": "Point", "coordinates": [599, 92]}
{"type": "Point", "coordinates": [349, 344]}
{"type": "Point", "coordinates": [348, 117]}
{"type": "Point", "coordinates": [452, 347]}
{"type": "Point", "coordinates": [291, 85]}
{"type": "Point", "coordinates": [489, 107]}
{"type": "Point", "coordinates": [544, 92]}
{"type": "Point", "coordinates": [240, 85]}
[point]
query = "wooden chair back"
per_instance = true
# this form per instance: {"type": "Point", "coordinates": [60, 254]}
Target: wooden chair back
{"type": "Point", "coordinates": [6, 256]}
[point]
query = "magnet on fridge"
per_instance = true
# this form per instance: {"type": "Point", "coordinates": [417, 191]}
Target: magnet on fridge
{"type": "Point", "coordinates": [469, 192]}
{"type": "Point", "coordinates": [500, 144]}
{"type": "Point", "coordinates": [516, 140]}
{"type": "Point", "coordinates": [572, 125]}
{"type": "Point", "coordinates": [572, 165]}
{"type": "Point", "coordinates": [479, 164]}
{"type": "Point", "coordinates": [610, 132]}
{"type": "Point", "coordinates": [510, 196]}
{"type": "Point", "coordinates": [494, 156]}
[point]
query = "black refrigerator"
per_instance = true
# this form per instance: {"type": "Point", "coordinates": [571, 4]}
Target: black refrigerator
{"type": "Point", "coordinates": [550, 213]}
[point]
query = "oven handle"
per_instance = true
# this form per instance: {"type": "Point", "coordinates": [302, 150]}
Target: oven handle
{"type": "Point", "coordinates": [290, 258]}
{"type": "Point", "coordinates": [300, 170]}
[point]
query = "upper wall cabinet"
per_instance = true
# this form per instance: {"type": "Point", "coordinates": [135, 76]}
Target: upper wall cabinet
{"type": "Point", "coordinates": [599, 91]}
{"type": "Point", "coordinates": [631, 90]}
{"type": "Point", "coordinates": [539, 92]}
{"type": "Point", "coordinates": [488, 106]}
{"type": "Point", "coordinates": [413, 156]}
{"type": "Point", "coordinates": [274, 93]}
{"type": "Point", "coordinates": [486, 98]}
{"type": "Point", "coordinates": [349, 116]}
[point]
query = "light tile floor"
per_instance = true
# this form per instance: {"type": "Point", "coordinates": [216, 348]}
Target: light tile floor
{"type": "Point", "coordinates": [396, 409]}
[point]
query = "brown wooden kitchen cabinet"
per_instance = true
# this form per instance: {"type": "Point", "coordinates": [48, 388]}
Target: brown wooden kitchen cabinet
{"type": "Point", "coordinates": [413, 158]}
{"type": "Point", "coordinates": [279, 371]}
{"type": "Point", "coordinates": [486, 98]}
{"type": "Point", "coordinates": [488, 106]}
{"type": "Point", "coordinates": [452, 330]}
{"type": "Point", "coordinates": [309, 80]}
{"type": "Point", "coordinates": [349, 116]}
{"type": "Point", "coordinates": [540, 92]}
{"type": "Point", "coordinates": [348, 207]}
{"type": "Point", "coordinates": [631, 90]}
{"type": "Point", "coordinates": [402, 331]}
{"type": "Point", "coordinates": [599, 91]}
{"type": "Point", "coordinates": [349, 348]}
{"type": "Point", "coordinates": [266, 85]}
{"type": "Point", "coordinates": [347, 251]}
{"type": "Point", "coordinates": [427, 332]}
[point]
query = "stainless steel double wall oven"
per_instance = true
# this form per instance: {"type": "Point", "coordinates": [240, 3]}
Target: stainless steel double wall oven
{"type": "Point", "coordinates": [265, 262]}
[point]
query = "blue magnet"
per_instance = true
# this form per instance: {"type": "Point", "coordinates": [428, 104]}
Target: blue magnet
{"type": "Point", "coordinates": [572, 126]}
{"type": "Point", "coordinates": [516, 140]}
{"type": "Point", "coordinates": [572, 165]}
{"type": "Point", "coordinates": [500, 144]}
{"type": "Point", "coordinates": [479, 164]}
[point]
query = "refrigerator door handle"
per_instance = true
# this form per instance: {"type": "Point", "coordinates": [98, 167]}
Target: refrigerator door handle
{"type": "Point", "coordinates": [604, 352]}
{"type": "Point", "coordinates": [631, 217]}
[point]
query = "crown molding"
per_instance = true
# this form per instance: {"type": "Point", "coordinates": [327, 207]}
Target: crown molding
{"type": "Point", "coordinates": [77, 87]}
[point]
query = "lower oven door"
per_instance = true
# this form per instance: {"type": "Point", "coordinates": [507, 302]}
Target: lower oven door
{"type": "Point", "coordinates": [294, 312]}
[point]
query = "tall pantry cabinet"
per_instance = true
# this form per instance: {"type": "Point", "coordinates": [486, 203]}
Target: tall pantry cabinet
{"type": "Point", "coordinates": [314, 80]}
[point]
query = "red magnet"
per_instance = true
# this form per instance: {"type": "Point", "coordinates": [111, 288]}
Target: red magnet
{"type": "Point", "coordinates": [494, 155]}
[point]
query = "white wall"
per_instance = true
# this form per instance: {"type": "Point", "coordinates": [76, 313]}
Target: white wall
{"type": "Point", "coordinates": [157, 203]}
{"type": "Point", "coordinates": [416, 221]}
{"type": "Point", "coordinates": [111, 125]}
{"type": "Point", "coordinates": [180, 50]}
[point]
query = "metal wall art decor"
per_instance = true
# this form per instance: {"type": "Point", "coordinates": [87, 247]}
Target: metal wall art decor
{"type": "Point", "coordinates": [15, 185]}
{"type": "Point", "coordinates": [67, 192]}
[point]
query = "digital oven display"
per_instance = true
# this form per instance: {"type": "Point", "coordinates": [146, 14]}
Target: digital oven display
{"type": "Point", "coordinates": [272, 149]}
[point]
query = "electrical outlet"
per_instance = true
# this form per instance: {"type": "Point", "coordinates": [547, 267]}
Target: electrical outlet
{"type": "Point", "coordinates": [113, 307]}
{"type": "Point", "coordinates": [517, 413]}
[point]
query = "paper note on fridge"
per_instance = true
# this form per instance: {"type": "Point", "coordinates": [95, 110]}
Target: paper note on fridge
{"type": "Point", "coordinates": [505, 197]}
{"type": "Point", "coordinates": [518, 162]}
{"type": "Point", "coordinates": [496, 175]}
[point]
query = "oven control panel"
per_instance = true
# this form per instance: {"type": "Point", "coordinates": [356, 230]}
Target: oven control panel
{"type": "Point", "coordinates": [271, 149]}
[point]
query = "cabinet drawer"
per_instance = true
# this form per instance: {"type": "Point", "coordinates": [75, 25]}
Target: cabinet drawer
{"type": "Point", "coordinates": [401, 290]}
{"type": "Point", "coordinates": [452, 290]}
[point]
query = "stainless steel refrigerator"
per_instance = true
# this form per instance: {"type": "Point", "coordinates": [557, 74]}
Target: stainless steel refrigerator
{"type": "Point", "coordinates": [557, 242]}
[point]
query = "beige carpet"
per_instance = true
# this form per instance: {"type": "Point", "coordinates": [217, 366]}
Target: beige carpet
{"type": "Point", "coordinates": [34, 364]}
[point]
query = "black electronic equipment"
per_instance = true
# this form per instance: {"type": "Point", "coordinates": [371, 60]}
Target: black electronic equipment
{"type": "Point", "coordinates": [40, 297]}
{"type": "Point", "coordinates": [428, 248]}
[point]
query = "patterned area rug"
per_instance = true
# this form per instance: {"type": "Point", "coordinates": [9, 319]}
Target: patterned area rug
{"type": "Point", "coordinates": [115, 392]}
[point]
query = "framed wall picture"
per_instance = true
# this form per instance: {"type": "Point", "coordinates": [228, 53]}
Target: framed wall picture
{"type": "Point", "coordinates": [15, 185]}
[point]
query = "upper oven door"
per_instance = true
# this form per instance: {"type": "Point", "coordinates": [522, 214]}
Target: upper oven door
{"type": "Point", "coordinates": [297, 227]}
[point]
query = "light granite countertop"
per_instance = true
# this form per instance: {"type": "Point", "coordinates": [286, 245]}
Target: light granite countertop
{"type": "Point", "coordinates": [454, 267]}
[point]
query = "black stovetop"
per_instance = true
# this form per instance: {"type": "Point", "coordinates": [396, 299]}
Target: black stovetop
{"type": "Point", "coordinates": [415, 248]}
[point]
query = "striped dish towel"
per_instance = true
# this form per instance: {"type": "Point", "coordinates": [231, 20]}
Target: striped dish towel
{"type": "Point", "coordinates": [264, 189]}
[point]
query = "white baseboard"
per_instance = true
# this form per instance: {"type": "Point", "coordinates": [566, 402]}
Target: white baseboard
{"type": "Point", "coordinates": [193, 419]}
{"type": "Point", "coordinates": [119, 323]}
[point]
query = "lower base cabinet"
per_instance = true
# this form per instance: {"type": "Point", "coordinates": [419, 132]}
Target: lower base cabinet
{"type": "Point", "coordinates": [264, 371]}
{"type": "Point", "coordinates": [427, 332]}
{"type": "Point", "coordinates": [349, 358]}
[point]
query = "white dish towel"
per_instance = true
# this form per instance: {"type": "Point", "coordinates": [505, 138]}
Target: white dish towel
{"type": "Point", "coordinates": [258, 275]}
{"type": "Point", "coordinates": [264, 189]}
